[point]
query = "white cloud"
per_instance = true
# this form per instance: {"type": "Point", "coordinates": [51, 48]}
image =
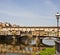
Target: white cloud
{"type": "Point", "coordinates": [33, 16]}
{"type": "Point", "coordinates": [25, 14]}
{"type": "Point", "coordinates": [28, 14]}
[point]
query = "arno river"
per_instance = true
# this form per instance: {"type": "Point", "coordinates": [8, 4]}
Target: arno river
{"type": "Point", "coordinates": [13, 54]}
{"type": "Point", "coordinates": [33, 41]}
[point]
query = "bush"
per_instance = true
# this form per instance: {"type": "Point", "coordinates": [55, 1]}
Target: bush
{"type": "Point", "coordinates": [48, 51]}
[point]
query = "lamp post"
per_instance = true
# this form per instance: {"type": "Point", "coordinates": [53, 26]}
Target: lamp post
{"type": "Point", "coordinates": [57, 17]}
{"type": "Point", "coordinates": [57, 41]}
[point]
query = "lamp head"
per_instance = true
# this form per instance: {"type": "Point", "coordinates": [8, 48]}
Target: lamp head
{"type": "Point", "coordinates": [57, 15]}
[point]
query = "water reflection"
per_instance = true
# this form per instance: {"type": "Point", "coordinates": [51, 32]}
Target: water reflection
{"type": "Point", "coordinates": [33, 42]}
{"type": "Point", "coordinates": [23, 43]}
{"type": "Point", "coordinates": [49, 42]}
{"type": "Point", "coordinates": [28, 48]}
{"type": "Point", "coordinates": [14, 54]}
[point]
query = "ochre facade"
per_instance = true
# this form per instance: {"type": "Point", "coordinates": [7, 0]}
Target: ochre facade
{"type": "Point", "coordinates": [38, 31]}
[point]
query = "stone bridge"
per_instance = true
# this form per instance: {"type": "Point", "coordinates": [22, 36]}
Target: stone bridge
{"type": "Point", "coordinates": [34, 31]}
{"type": "Point", "coordinates": [18, 32]}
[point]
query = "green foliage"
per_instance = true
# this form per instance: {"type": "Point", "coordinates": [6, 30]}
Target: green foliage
{"type": "Point", "coordinates": [33, 54]}
{"type": "Point", "coordinates": [47, 51]}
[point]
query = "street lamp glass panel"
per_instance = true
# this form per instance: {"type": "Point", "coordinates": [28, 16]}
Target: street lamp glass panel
{"type": "Point", "coordinates": [57, 15]}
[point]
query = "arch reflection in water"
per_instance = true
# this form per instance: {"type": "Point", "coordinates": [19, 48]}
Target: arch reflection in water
{"type": "Point", "coordinates": [8, 39]}
{"type": "Point", "coordinates": [28, 48]}
{"type": "Point", "coordinates": [33, 42]}
{"type": "Point", "coordinates": [49, 42]}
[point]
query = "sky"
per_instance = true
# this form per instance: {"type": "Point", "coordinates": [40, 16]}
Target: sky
{"type": "Point", "coordinates": [29, 12]}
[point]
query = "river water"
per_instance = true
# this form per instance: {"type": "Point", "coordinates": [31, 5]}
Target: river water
{"type": "Point", "coordinates": [32, 42]}
{"type": "Point", "coordinates": [13, 54]}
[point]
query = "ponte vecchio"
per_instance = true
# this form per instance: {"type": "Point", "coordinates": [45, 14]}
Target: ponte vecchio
{"type": "Point", "coordinates": [8, 29]}
{"type": "Point", "coordinates": [40, 31]}
{"type": "Point", "coordinates": [17, 33]}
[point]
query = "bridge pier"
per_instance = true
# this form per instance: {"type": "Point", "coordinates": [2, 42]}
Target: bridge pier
{"type": "Point", "coordinates": [57, 42]}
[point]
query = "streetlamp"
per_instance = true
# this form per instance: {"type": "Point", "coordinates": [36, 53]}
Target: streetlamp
{"type": "Point", "coordinates": [57, 17]}
{"type": "Point", "coordinates": [57, 41]}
